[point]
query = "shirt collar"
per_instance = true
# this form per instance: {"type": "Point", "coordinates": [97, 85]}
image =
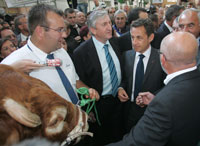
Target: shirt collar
{"type": "Point", "coordinates": [98, 43]}
{"type": "Point", "coordinates": [173, 75]}
{"type": "Point", "coordinates": [169, 27]}
{"type": "Point", "coordinates": [23, 37]}
{"type": "Point", "coordinates": [146, 53]}
{"type": "Point", "coordinates": [38, 52]}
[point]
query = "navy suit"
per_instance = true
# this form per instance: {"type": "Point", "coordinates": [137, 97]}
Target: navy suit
{"type": "Point", "coordinates": [152, 82]}
{"type": "Point", "coordinates": [88, 67]}
{"type": "Point", "coordinates": [159, 35]}
{"type": "Point", "coordinates": [171, 118]}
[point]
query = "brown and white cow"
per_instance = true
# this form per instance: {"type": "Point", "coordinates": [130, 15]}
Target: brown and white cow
{"type": "Point", "coordinates": [29, 108]}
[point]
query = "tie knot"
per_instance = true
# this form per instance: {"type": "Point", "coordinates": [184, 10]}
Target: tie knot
{"type": "Point", "coordinates": [141, 56]}
{"type": "Point", "coordinates": [50, 56]}
{"type": "Point", "coordinates": [105, 46]}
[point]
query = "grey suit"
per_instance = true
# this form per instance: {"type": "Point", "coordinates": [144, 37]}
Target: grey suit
{"type": "Point", "coordinates": [171, 119]}
{"type": "Point", "coordinates": [152, 82]}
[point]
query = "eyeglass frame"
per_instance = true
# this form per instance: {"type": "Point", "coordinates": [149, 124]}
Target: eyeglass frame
{"type": "Point", "coordinates": [59, 30]}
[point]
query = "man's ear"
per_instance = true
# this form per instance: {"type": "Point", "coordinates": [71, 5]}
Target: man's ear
{"type": "Point", "coordinates": [93, 30]}
{"type": "Point", "coordinates": [39, 31]}
{"type": "Point", "coordinates": [151, 37]}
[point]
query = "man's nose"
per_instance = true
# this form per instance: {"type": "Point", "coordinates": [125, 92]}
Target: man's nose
{"type": "Point", "coordinates": [64, 34]}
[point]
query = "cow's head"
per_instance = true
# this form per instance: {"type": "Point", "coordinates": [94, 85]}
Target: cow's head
{"type": "Point", "coordinates": [35, 105]}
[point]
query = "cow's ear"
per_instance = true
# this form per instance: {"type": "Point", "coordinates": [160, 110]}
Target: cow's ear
{"type": "Point", "coordinates": [20, 113]}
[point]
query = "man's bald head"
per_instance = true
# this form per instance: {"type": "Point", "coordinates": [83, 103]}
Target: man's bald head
{"type": "Point", "coordinates": [180, 49]}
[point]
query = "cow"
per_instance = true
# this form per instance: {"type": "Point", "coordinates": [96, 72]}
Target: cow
{"type": "Point", "coordinates": [29, 108]}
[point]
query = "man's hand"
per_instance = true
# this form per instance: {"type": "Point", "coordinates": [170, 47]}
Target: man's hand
{"type": "Point", "coordinates": [144, 98]}
{"type": "Point", "coordinates": [78, 38]}
{"type": "Point", "coordinates": [26, 65]}
{"type": "Point", "coordinates": [122, 95]}
{"type": "Point", "coordinates": [93, 94]}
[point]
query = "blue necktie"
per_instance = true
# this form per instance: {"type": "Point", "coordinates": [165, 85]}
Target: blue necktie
{"type": "Point", "coordinates": [112, 69]}
{"type": "Point", "coordinates": [139, 76]}
{"type": "Point", "coordinates": [65, 82]}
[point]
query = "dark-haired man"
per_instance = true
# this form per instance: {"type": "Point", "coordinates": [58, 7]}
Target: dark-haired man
{"type": "Point", "coordinates": [141, 71]}
{"type": "Point", "coordinates": [47, 29]}
{"type": "Point", "coordinates": [166, 27]}
{"type": "Point", "coordinates": [125, 39]}
{"type": "Point", "coordinates": [169, 119]}
{"type": "Point", "coordinates": [6, 32]}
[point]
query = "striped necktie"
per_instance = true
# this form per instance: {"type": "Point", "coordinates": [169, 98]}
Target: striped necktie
{"type": "Point", "coordinates": [112, 70]}
{"type": "Point", "coordinates": [66, 83]}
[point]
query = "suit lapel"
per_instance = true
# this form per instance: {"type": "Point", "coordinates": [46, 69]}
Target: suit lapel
{"type": "Point", "coordinates": [166, 30]}
{"type": "Point", "coordinates": [150, 64]}
{"type": "Point", "coordinates": [130, 61]}
{"type": "Point", "coordinates": [95, 63]}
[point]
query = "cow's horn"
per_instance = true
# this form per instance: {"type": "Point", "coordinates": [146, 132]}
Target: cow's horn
{"type": "Point", "coordinates": [21, 114]}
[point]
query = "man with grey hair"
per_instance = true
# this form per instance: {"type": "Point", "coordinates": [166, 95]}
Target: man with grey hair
{"type": "Point", "coordinates": [120, 26]}
{"type": "Point", "coordinates": [22, 27]}
{"type": "Point", "coordinates": [189, 21]}
{"type": "Point", "coordinates": [97, 62]}
{"type": "Point", "coordinates": [169, 119]}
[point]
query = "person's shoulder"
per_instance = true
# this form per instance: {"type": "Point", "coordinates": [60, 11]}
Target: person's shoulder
{"type": "Point", "coordinates": [19, 54]}
{"type": "Point", "coordinates": [84, 47]}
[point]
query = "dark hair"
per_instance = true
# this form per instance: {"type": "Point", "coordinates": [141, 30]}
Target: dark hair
{"type": "Point", "coordinates": [2, 41]}
{"type": "Point", "coordinates": [37, 16]}
{"type": "Point", "coordinates": [68, 11]}
{"type": "Point", "coordinates": [173, 10]}
{"type": "Point", "coordinates": [17, 22]}
{"type": "Point", "coordinates": [84, 31]}
{"type": "Point", "coordinates": [134, 14]}
{"type": "Point", "coordinates": [153, 17]}
{"type": "Point", "coordinates": [4, 28]}
{"type": "Point", "coordinates": [147, 23]}
{"type": "Point", "coordinates": [152, 9]}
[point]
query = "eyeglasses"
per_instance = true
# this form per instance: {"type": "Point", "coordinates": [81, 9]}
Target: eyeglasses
{"type": "Point", "coordinates": [60, 30]}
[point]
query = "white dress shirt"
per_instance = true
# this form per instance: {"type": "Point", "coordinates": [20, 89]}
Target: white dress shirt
{"type": "Point", "coordinates": [173, 75]}
{"type": "Point", "coordinates": [145, 61]}
{"type": "Point", "coordinates": [169, 27]}
{"type": "Point", "coordinates": [47, 74]}
{"type": "Point", "coordinates": [23, 37]}
{"type": "Point", "coordinates": [107, 86]}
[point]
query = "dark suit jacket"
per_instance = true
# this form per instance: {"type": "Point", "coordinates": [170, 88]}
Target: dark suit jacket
{"type": "Point", "coordinates": [152, 82]}
{"type": "Point", "coordinates": [88, 66]}
{"type": "Point", "coordinates": [74, 32]}
{"type": "Point", "coordinates": [159, 35]}
{"type": "Point", "coordinates": [124, 42]}
{"type": "Point", "coordinates": [171, 119]}
{"type": "Point", "coordinates": [154, 75]}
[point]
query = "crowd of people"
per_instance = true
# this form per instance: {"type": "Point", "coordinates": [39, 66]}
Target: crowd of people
{"type": "Point", "coordinates": [140, 65]}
